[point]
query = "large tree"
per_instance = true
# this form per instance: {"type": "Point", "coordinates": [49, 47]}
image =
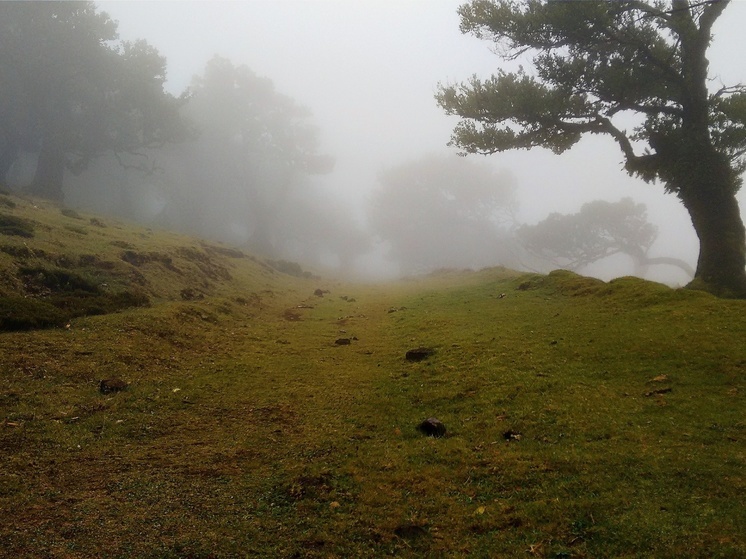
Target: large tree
{"type": "Point", "coordinates": [599, 230]}
{"type": "Point", "coordinates": [70, 91]}
{"type": "Point", "coordinates": [599, 66]}
{"type": "Point", "coordinates": [255, 146]}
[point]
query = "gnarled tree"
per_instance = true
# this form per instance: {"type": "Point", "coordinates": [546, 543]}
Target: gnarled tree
{"type": "Point", "coordinates": [599, 230]}
{"type": "Point", "coordinates": [595, 63]}
{"type": "Point", "coordinates": [70, 91]}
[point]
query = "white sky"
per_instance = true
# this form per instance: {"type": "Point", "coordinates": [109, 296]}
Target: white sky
{"type": "Point", "coordinates": [368, 69]}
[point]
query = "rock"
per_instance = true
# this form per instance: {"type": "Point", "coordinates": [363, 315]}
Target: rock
{"type": "Point", "coordinates": [419, 353]}
{"type": "Point", "coordinates": [512, 436]}
{"type": "Point", "coordinates": [111, 385]}
{"type": "Point", "coordinates": [320, 292]}
{"type": "Point", "coordinates": [432, 427]}
{"type": "Point", "coordinates": [343, 341]}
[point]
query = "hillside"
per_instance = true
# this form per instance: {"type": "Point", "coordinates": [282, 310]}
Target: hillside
{"type": "Point", "coordinates": [253, 413]}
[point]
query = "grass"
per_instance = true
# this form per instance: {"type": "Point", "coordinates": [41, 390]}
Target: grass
{"type": "Point", "coordinates": [585, 419]}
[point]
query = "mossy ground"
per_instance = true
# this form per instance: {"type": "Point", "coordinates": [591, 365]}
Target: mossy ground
{"type": "Point", "coordinates": [585, 419]}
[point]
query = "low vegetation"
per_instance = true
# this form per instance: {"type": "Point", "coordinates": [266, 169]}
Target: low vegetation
{"type": "Point", "coordinates": [583, 419]}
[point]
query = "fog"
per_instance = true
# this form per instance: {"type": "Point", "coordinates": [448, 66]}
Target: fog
{"type": "Point", "coordinates": [367, 70]}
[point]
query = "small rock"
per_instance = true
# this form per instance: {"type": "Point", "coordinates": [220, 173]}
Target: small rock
{"type": "Point", "coordinates": [512, 436]}
{"type": "Point", "coordinates": [432, 427]}
{"type": "Point", "coordinates": [343, 341]}
{"type": "Point", "coordinates": [111, 385]}
{"type": "Point", "coordinates": [320, 292]}
{"type": "Point", "coordinates": [419, 354]}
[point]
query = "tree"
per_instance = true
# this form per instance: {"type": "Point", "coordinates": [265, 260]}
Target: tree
{"type": "Point", "coordinates": [599, 230]}
{"type": "Point", "coordinates": [600, 65]}
{"type": "Point", "coordinates": [444, 212]}
{"type": "Point", "coordinates": [71, 92]}
{"type": "Point", "coordinates": [255, 146]}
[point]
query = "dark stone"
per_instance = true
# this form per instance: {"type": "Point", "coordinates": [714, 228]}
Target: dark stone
{"type": "Point", "coordinates": [320, 292]}
{"type": "Point", "coordinates": [111, 385]}
{"type": "Point", "coordinates": [343, 341]}
{"type": "Point", "coordinates": [419, 354]}
{"type": "Point", "coordinates": [432, 427]}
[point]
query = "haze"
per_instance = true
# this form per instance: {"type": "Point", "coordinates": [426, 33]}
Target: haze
{"type": "Point", "coordinates": [368, 71]}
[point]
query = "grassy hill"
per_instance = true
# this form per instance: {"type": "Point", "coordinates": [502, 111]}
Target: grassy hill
{"type": "Point", "coordinates": [261, 419]}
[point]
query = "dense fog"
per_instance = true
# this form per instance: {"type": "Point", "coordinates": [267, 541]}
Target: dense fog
{"type": "Point", "coordinates": [308, 131]}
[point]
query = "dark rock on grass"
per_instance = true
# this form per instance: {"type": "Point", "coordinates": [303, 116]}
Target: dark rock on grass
{"type": "Point", "coordinates": [343, 341]}
{"type": "Point", "coordinates": [320, 292]}
{"type": "Point", "coordinates": [512, 436]}
{"type": "Point", "coordinates": [432, 427]}
{"type": "Point", "coordinates": [111, 386]}
{"type": "Point", "coordinates": [420, 353]}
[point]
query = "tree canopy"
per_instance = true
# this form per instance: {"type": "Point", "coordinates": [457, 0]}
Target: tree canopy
{"type": "Point", "coordinates": [70, 91]}
{"type": "Point", "coordinates": [255, 145]}
{"type": "Point", "coordinates": [635, 71]}
{"type": "Point", "coordinates": [599, 230]}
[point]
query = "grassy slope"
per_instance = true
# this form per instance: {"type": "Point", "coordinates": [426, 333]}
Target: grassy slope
{"type": "Point", "coordinates": [246, 431]}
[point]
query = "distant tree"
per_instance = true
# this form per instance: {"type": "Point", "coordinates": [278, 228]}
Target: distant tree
{"type": "Point", "coordinates": [255, 146]}
{"type": "Point", "coordinates": [599, 230]}
{"type": "Point", "coordinates": [595, 62]}
{"type": "Point", "coordinates": [70, 92]}
{"type": "Point", "coordinates": [444, 211]}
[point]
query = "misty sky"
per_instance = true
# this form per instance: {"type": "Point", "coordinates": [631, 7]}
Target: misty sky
{"type": "Point", "coordinates": [368, 70]}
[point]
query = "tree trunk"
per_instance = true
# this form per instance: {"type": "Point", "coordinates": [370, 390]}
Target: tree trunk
{"type": "Point", "coordinates": [50, 170]}
{"type": "Point", "coordinates": [721, 266]}
{"type": "Point", "coordinates": [8, 156]}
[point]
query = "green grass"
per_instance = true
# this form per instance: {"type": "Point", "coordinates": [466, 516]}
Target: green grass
{"type": "Point", "coordinates": [245, 431]}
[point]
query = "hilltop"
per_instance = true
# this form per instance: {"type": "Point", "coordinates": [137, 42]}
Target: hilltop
{"type": "Point", "coordinates": [273, 414]}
